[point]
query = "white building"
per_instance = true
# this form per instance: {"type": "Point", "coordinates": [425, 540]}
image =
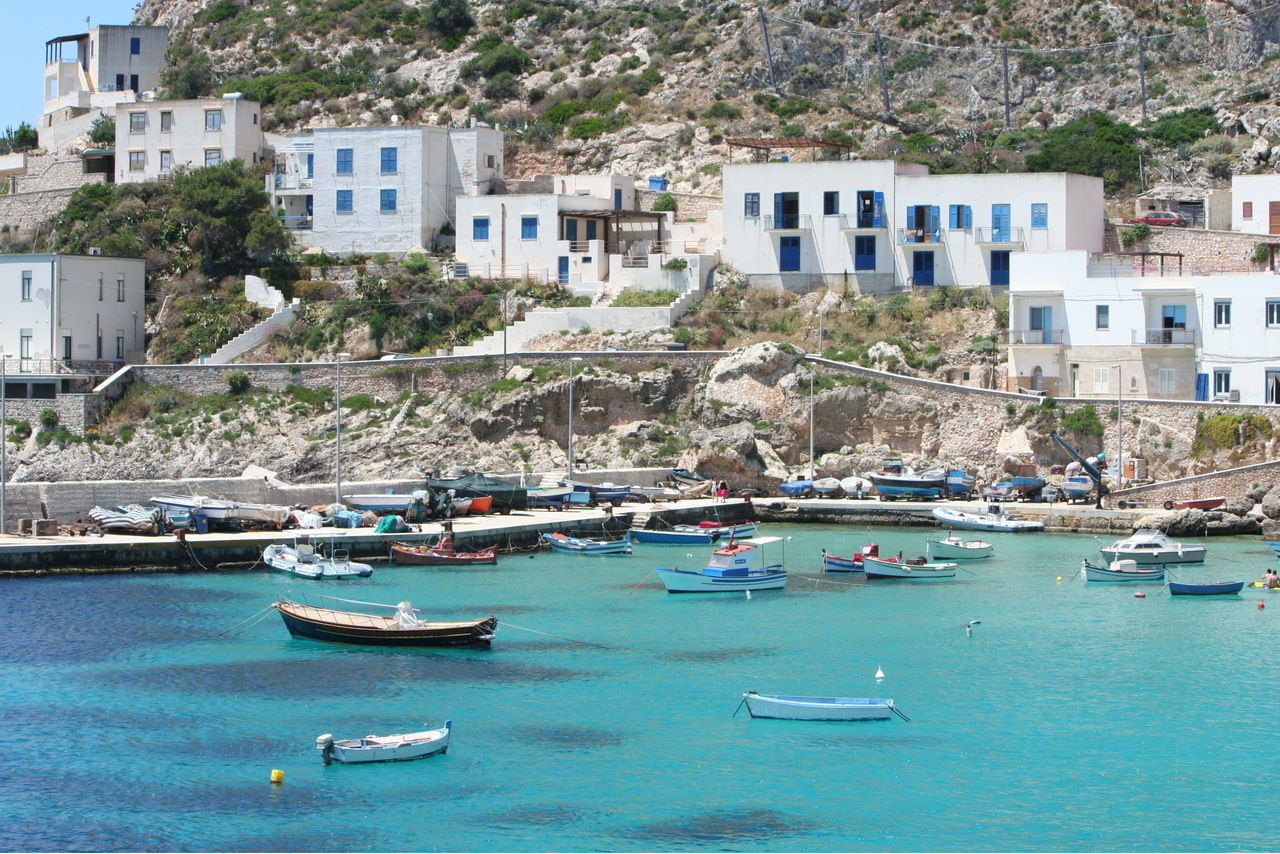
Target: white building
{"type": "Point", "coordinates": [1080, 322]}
{"type": "Point", "coordinates": [69, 311]}
{"type": "Point", "coordinates": [88, 74]}
{"type": "Point", "coordinates": [380, 189]}
{"type": "Point", "coordinates": [1255, 203]}
{"type": "Point", "coordinates": [154, 138]}
{"type": "Point", "coordinates": [876, 226]}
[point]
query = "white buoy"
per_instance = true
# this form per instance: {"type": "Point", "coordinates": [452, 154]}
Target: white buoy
{"type": "Point", "coordinates": [748, 595]}
{"type": "Point", "coordinates": [879, 673]}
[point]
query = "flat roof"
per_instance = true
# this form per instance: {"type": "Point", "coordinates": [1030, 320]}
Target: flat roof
{"type": "Point", "coordinates": [766, 143]}
{"type": "Point", "coordinates": [616, 214]}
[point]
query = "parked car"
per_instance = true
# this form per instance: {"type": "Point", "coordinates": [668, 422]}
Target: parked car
{"type": "Point", "coordinates": [1167, 218]}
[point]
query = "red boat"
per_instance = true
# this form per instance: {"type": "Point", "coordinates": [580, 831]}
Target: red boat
{"type": "Point", "coordinates": [441, 554]}
{"type": "Point", "coordinates": [1195, 504]}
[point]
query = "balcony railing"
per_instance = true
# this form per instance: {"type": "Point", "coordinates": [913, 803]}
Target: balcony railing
{"type": "Point", "coordinates": [60, 367]}
{"type": "Point", "coordinates": [293, 182]}
{"type": "Point", "coordinates": [579, 246]}
{"type": "Point", "coordinates": [919, 235]}
{"type": "Point", "coordinates": [789, 222]}
{"type": "Point", "coordinates": [1000, 236]}
{"type": "Point", "coordinates": [1164, 337]}
{"type": "Point", "coordinates": [858, 222]}
{"type": "Point", "coordinates": [1035, 336]}
{"type": "Point", "coordinates": [296, 222]}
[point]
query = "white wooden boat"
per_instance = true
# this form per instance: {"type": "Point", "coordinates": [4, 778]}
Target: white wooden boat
{"type": "Point", "coordinates": [731, 568]}
{"type": "Point", "coordinates": [958, 548]}
{"type": "Point", "coordinates": [390, 502]}
{"type": "Point", "coordinates": [302, 559]}
{"type": "Point", "coordinates": [1150, 547]}
{"type": "Point", "coordinates": [995, 519]}
{"type": "Point", "coordinates": [913, 568]}
{"type": "Point", "coordinates": [827, 487]}
{"type": "Point", "coordinates": [1123, 570]}
{"type": "Point", "coordinates": [385, 748]}
{"type": "Point", "coordinates": [218, 510]}
{"type": "Point", "coordinates": [854, 487]}
{"type": "Point", "coordinates": [792, 708]}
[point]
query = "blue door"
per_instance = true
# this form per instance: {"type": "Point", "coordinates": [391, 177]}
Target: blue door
{"type": "Point", "coordinates": [563, 276]}
{"type": "Point", "coordinates": [1000, 266]}
{"type": "Point", "coordinates": [864, 252]}
{"type": "Point", "coordinates": [617, 198]}
{"type": "Point", "coordinates": [1041, 325]}
{"type": "Point", "coordinates": [591, 229]}
{"type": "Point", "coordinates": [1202, 387]}
{"type": "Point", "coordinates": [1000, 223]}
{"type": "Point", "coordinates": [922, 268]}
{"type": "Point", "coordinates": [570, 229]}
{"type": "Point", "coordinates": [789, 254]}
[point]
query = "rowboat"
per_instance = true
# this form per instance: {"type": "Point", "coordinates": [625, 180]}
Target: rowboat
{"type": "Point", "coordinates": [1027, 486]}
{"type": "Point", "coordinates": [1216, 588]}
{"type": "Point", "coordinates": [610, 492]}
{"type": "Point", "coordinates": [402, 629]}
{"type": "Point", "coordinates": [1195, 504]}
{"type": "Point", "coordinates": [707, 526]}
{"type": "Point", "coordinates": [384, 748]}
{"type": "Point", "coordinates": [694, 490]}
{"type": "Point", "coordinates": [684, 477]}
{"type": "Point", "coordinates": [791, 708]}
{"type": "Point", "coordinates": [827, 487]}
{"type": "Point", "coordinates": [390, 502]}
{"type": "Point", "coordinates": [960, 483]}
{"type": "Point", "coordinates": [1150, 547]}
{"type": "Point", "coordinates": [995, 519]}
{"type": "Point", "coordinates": [441, 554]}
{"type": "Point", "coordinates": [675, 538]}
{"type": "Point", "coordinates": [133, 519]}
{"type": "Point", "coordinates": [958, 548]}
{"type": "Point", "coordinates": [913, 568]}
{"type": "Point", "coordinates": [1123, 571]}
{"type": "Point", "coordinates": [302, 559]}
{"type": "Point", "coordinates": [833, 563]}
{"type": "Point", "coordinates": [461, 506]}
{"type": "Point", "coordinates": [582, 546]}
{"type": "Point", "coordinates": [554, 497]}
{"type": "Point", "coordinates": [480, 504]}
{"type": "Point", "coordinates": [730, 569]}
{"type": "Point", "coordinates": [218, 510]}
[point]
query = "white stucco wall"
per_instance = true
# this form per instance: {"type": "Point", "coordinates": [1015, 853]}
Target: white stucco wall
{"type": "Point", "coordinates": [187, 139]}
{"type": "Point", "coordinates": [1258, 192]}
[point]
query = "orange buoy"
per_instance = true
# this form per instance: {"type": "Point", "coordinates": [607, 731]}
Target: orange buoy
{"type": "Point", "coordinates": [1261, 604]}
{"type": "Point", "coordinates": [1139, 595]}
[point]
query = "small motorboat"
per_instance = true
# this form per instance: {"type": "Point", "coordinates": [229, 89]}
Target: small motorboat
{"type": "Point", "coordinates": [442, 553]}
{"type": "Point", "coordinates": [684, 477]}
{"type": "Point", "coordinates": [1077, 488]}
{"type": "Point", "coordinates": [916, 568]}
{"type": "Point", "coordinates": [958, 548]}
{"type": "Point", "coordinates": [827, 487]}
{"type": "Point", "coordinates": [854, 487]}
{"type": "Point", "coordinates": [480, 504]}
{"type": "Point", "coordinates": [133, 519]}
{"type": "Point", "coordinates": [303, 560]}
{"type": "Point", "coordinates": [895, 480]}
{"type": "Point", "coordinates": [741, 529]}
{"type": "Point", "coordinates": [384, 748]}
{"type": "Point", "coordinates": [796, 488]}
{"type": "Point", "coordinates": [700, 537]}
{"type": "Point", "coordinates": [995, 519]}
{"type": "Point", "coordinates": [582, 546]}
{"type": "Point", "coordinates": [401, 503]}
{"type": "Point", "coordinates": [1149, 547]}
{"type": "Point", "coordinates": [1216, 588]}
{"type": "Point", "coordinates": [598, 492]}
{"type": "Point", "coordinates": [553, 497]}
{"type": "Point", "coordinates": [834, 563]}
{"type": "Point", "coordinates": [791, 708]}
{"type": "Point", "coordinates": [403, 628]}
{"type": "Point", "coordinates": [960, 484]}
{"type": "Point", "coordinates": [1195, 504]}
{"type": "Point", "coordinates": [461, 506]}
{"type": "Point", "coordinates": [1123, 571]}
{"type": "Point", "coordinates": [731, 568]}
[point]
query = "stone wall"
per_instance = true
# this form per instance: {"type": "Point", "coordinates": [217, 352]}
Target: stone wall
{"type": "Point", "coordinates": [689, 205]}
{"type": "Point", "coordinates": [1203, 251]}
{"type": "Point", "coordinates": [1230, 483]}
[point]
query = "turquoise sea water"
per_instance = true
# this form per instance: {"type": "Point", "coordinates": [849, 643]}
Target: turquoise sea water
{"type": "Point", "coordinates": [1076, 717]}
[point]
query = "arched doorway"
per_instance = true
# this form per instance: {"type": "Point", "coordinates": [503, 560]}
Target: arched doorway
{"type": "Point", "coordinates": [1037, 378]}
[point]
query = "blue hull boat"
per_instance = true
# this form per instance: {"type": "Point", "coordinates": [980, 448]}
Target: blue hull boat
{"type": "Point", "coordinates": [889, 492]}
{"type": "Point", "coordinates": [580, 546]}
{"type": "Point", "coordinates": [703, 537]}
{"type": "Point", "coordinates": [1216, 588]}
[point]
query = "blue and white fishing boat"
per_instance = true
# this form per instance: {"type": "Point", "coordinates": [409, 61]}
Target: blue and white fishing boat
{"type": "Point", "coordinates": [582, 546]}
{"type": "Point", "coordinates": [609, 492]}
{"type": "Point", "coordinates": [675, 538]}
{"type": "Point", "coordinates": [1077, 488]}
{"type": "Point", "coordinates": [960, 484]}
{"type": "Point", "coordinates": [389, 502]}
{"type": "Point", "coordinates": [553, 497]}
{"type": "Point", "coordinates": [732, 568]}
{"type": "Point", "coordinates": [834, 563]}
{"type": "Point", "coordinates": [739, 530]}
{"type": "Point", "coordinates": [792, 708]}
{"type": "Point", "coordinates": [1123, 571]}
{"type": "Point", "coordinates": [1213, 588]}
{"type": "Point", "coordinates": [895, 480]}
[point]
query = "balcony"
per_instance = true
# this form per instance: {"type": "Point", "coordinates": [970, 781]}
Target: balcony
{"type": "Point", "coordinates": [294, 223]}
{"type": "Point", "coordinates": [998, 236]}
{"type": "Point", "coordinates": [914, 236]}
{"type": "Point", "coordinates": [1035, 337]}
{"type": "Point", "coordinates": [293, 181]}
{"type": "Point", "coordinates": [1164, 337]}
{"type": "Point", "coordinates": [789, 222]}
{"type": "Point", "coordinates": [859, 223]}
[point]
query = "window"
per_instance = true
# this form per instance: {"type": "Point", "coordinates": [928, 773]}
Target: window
{"type": "Point", "coordinates": [1221, 381]}
{"type": "Point", "coordinates": [1246, 210]}
{"type": "Point", "coordinates": [311, 166]}
{"type": "Point", "coordinates": [166, 161]}
{"type": "Point", "coordinates": [345, 161]}
{"type": "Point", "coordinates": [959, 216]}
{"type": "Point", "coordinates": [26, 286]}
{"type": "Point", "coordinates": [1273, 312]}
{"type": "Point", "coordinates": [387, 201]}
{"type": "Point", "coordinates": [389, 161]}
{"type": "Point", "coordinates": [1039, 215]}
{"type": "Point", "coordinates": [529, 227]}
{"type": "Point", "coordinates": [1102, 380]}
{"type": "Point", "coordinates": [99, 287]}
{"type": "Point", "coordinates": [344, 204]}
{"type": "Point", "coordinates": [137, 122]}
{"type": "Point", "coordinates": [751, 204]}
{"type": "Point", "coordinates": [66, 346]}
{"type": "Point", "coordinates": [137, 160]}
{"type": "Point", "coordinates": [133, 83]}
{"type": "Point", "coordinates": [24, 344]}
{"type": "Point", "coordinates": [120, 289]}
{"type": "Point", "coordinates": [830, 203]}
{"type": "Point", "coordinates": [166, 121]}
{"type": "Point", "coordinates": [212, 156]}
{"type": "Point", "coordinates": [119, 82]}
{"type": "Point", "coordinates": [135, 46]}
{"type": "Point", "coordinates": [1102, 317]}
{"type": "Point", "coordinates": [480, 228]}
{"type": "Point", "coordinates": [1167, 381]}
{"type": "Point", "coordinates": [213, 119]}
{"type": "Point", "coordinates": [1222, 314]}
{"type": "Point", "coordinates": [119, 346]}
{"type": "Point", "coordinates": [490, 161]}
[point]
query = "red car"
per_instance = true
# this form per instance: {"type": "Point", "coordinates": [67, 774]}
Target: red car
{"type": "Point", "coordinates": [1167, 218]}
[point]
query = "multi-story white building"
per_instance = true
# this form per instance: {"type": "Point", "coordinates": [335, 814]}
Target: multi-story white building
{"type": "Point", "coordinates": [1255, 203]}
{"type": "Point", "coordinates": [61, 310]}
{"type": "Point", "coordinates": [876, 226]}
{"type": "Point", "coordinates": [154, 138]}
{"type": "Point", "coordinates": [380, 189]}
{"type": "Point", "coordinates": [1083, 325]}
{"type": "Point", "coordinates": [88, 74]}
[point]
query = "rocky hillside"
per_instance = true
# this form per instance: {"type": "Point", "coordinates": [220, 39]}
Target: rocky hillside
{"type": "Point", "coordinates": [656, 87]}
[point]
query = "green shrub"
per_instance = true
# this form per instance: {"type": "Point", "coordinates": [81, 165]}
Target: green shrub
{"type": "Point", "coordinates": [640, 298]}
{"type": "Point", "coordinates": [1188, 126]}
{"type": "Point", "coordinates": [21, 431]}
{"type": "Point", "coordinates": [237, 382]}
{"type": "Point", "coordinates": [1083, 421]}
{"type": "Point", "coordinates": [314, 398]}
{"type": "Point", "coordinates": [675, 264]}
{"type": "Point", "coordinates": [48, 418]}
{"type": "Point", "coordinates": [415, 262]}
{"type": "Point", "coordinates": [359, 402]}
{"type": "Point", "coordinates": [1135, 233]}
{"type": "Point", "coordinates": [1092, 145]}
{"type": "Point", "coordinates": [666, 202]}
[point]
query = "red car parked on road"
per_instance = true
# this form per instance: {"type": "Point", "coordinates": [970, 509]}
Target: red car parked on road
{"type": "Point", "coordinates": [1167, 218]}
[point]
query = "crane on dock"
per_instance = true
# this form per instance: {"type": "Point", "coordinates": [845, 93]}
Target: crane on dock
{"type": "Point", "coordinates": [1089, 469]}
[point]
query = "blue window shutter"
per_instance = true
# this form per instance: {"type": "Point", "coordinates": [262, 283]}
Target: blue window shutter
{"type": "Point", "coordinates": [953, 216]}
{"type": "Point", "coordinates": [935, 220]}
{"type": "Point", "coordinates": [777, 210]}
{"type": "Point", "coordinates": [911, 217]}
{"type": "Point", "coordinates": [968, 217]}
{"type": "Point", "coordinates": [877, 210]}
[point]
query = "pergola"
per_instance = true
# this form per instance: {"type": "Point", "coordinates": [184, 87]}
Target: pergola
{"type": "Point", "coordinates": [617, 219]}
{"type": "Point", "coordinates": [1143, 255]}
{"type": "Point", "coordinates": [762, 147]}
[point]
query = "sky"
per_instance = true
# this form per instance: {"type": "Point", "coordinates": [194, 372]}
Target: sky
{"type": "Point", "coordinates": [28, 24]}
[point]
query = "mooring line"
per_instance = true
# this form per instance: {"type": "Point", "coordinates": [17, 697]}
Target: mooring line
{"type": "Point", "coordinates": [558, 637]}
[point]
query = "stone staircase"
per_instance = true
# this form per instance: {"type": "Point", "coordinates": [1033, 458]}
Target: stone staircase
{"type": "Point", "coordinates": [258, 291]}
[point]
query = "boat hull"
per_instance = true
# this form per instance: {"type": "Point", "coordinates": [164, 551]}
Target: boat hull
{"type": "Point", "coordinates": [833, 563]}
{"type": "Point", "coordinates": [578, 546]}
{"type": "Point", "coordinates": [878, 568]}
{"type": "Point", "coordinates": [1121, 576]}
{"type": "Point", "coordinates": [390, 748]}
{"type": "Point", "coordinates": [1217, 588]}
{"type": "Point", "coordinates": [675, 538]}
{"type": "Point", "coordinates": [346, 627]}
{"type": "Point", "coordinates": [687, 581]}
{"type": "Point", "coordinates": [984, 521]}
{"type": "Point", "coordinates": [282, 558]}
{"type": "Point", "coordinates": [427, 556]}
{"type": "Point", "coordinates": [963, 550]}
{"type": "Point", "coordinates": [791, 708]}
{"type": "Point", "coordinates": [744, 529]}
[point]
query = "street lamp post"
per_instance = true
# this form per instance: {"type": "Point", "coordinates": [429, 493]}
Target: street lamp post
{"type": "Point", "coordinates": [430, 350]}
{"type": "Point", "coordinates": [337, 390]}
{"type": "Point", "coordinates": [811, 423]}
{"type": "Point", "coordinates": [821, 316]}
{"type": "Point", "coordinates": [572, 359]}
{"type": "Point", "coordinates": [135, 331]}
{"type": "Point", "coordinates": [505, 295]}
{"type": "Point", "coordinates": [4, 441]}
{"type": "Point", "coordinates": [1119, 426]}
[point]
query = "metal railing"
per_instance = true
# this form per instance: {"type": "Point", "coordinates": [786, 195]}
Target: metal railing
{"type": "Point", "coordinates": [1011, 235]}
{"type": "Point", "coordinates": [789, 222]}
{"type": "Point", "coordinates": [1034, 336]}
{"type": "Point", "coordinates": [579, 246]}
{"type": "Point", "coordinates": [15, 365]}
{"type": "Point", "coordinates": [850, 222]}
{"type": "Point", "coordinates": [293, 182]}
{"type": "Point", "coordinates": [919, 235]}
{"type": "Point", "coordinates": [1164, 337]}
{"type": "Point", "coordinates": [295, 222]}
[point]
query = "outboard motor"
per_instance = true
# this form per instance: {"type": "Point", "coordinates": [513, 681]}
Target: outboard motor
{"type": "Point", "coordinates": [324, 744]}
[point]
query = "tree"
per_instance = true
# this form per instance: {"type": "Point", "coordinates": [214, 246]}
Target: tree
{"type": "Point", "coordinates": [218, 204]}
{"type": "Point", "coordinates": [103, 131]}
{"type": "Point", "coordinates": [665, 202]}
{"type": "Point", "coordinates": [267, 235]}
{"type": "Point", "coordinates": [25, 137]}
{"type": "Point", "coordinates": [190, 78]}
{"type": "Point", "coordinates": [1092, 145]}
{"type": "Point", "coordinates": [448, 17]}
